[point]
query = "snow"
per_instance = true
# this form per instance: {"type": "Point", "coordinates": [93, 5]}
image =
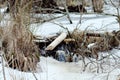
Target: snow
{"type": "Point", "coordinates": [90, 45]}
{"type": "Point", "coordinates": [55, 70]}
{"type": "Point", "coordinates": [51, 69]}
{"type": "Point", "coordinates": [3, 9]}
{"type": "Point", "coordinates": [91, 22]}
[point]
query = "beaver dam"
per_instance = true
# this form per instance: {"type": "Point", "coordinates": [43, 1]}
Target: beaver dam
{"type": "Point", "coordinates": [77, 45]}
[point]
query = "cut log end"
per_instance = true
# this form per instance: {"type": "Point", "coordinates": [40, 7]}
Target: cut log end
{"type": "Point", "coordinates": [49, 48]}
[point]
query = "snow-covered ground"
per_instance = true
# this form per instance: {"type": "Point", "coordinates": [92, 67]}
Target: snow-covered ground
{"type": "Point", "coordinates": [50, 69]}
{"type": "Point", "coordinates": [91, 22]}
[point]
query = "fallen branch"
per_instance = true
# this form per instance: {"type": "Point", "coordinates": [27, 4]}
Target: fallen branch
{"type": "Point", "coordinates": [57, 41]}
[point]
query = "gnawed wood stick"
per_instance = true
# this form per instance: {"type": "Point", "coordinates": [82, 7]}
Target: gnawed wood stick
{"type": "Point", "coordinates": [69, 40]}
{"type": "Point", "coordinates": [57, 41]}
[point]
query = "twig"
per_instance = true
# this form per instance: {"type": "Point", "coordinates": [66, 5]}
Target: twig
{"type": "Point", "coordinates": [49, 9]}
{"type": "Point", "coordinates": [110, 72]}
{"type": "Point", "coordinates": [64, 28]}
{"type": "Point", "coordinates": [34, 76]}
{"type": "Point", "coordinates": [38, 20]}
{"type": "Point", "coordinates": [67, 12]}
{"type": "Point", "coordinates": [118, 14]}
{"type": "Point", "coordinates": [113, 4]}
{"type": "Point", "coordinates": [3, 67]}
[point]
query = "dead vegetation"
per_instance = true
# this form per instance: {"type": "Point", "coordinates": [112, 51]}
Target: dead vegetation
{"type": "Point", "coordinates": [20, 51]}
{"type": "Point", "coordinates": [102, 42]}
{"type": "Point", "coordinates": [97, 5]}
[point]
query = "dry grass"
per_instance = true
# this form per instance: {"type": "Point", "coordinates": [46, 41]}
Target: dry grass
{"type": "Point", "coordinates": [98, 5]}
{"type": "Point", "coordinates": [20, 50]}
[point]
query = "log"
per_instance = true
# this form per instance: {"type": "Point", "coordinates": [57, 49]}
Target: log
{"type": "Point", "coordinates": [100, 34]}
{"type": "Point", "coordinates": [57, 41]}
{"type": "Point", "coordinates": [95, 34]}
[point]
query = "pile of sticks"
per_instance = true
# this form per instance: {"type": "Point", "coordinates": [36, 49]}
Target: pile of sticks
{"type": "Point", "coordinates": [106, 41]}
{"type": "Point", "coordinates": [102, 42]}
